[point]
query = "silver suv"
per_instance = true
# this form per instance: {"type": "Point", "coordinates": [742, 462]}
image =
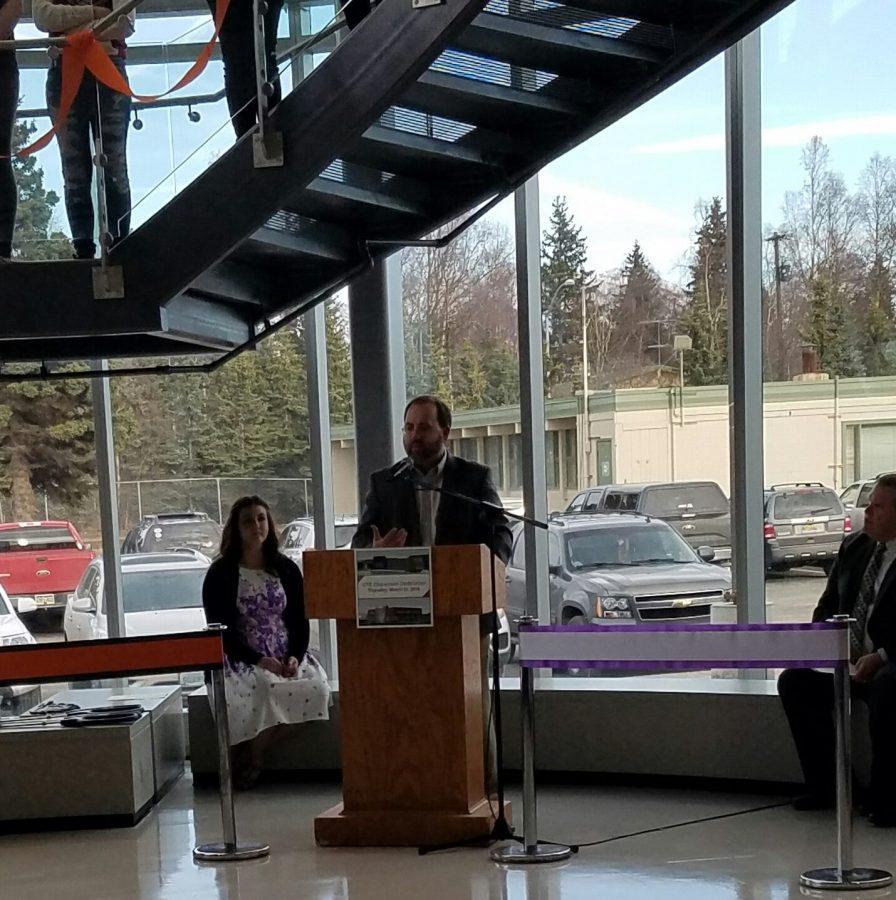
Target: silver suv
{"type": "Point", "coordinates": [619, 569]}
{"type": "Point", "coordinates": [698, 510]}
{"type": "Point", "coordinates": [805, 524]}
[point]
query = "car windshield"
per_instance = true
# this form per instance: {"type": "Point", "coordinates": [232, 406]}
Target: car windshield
{"type": "Point", "coordinates": [684, 500]}
{"type": "Point", "coordinates": [799, 504]}
{"type": "Point", "coordinates": [204, 536]}
{"type": "Point", "coordinates": [36, 537]}
{"type": "Point", "coordinates": [635, 545]}
{"type": "Point", "coordinates": [158, 589]}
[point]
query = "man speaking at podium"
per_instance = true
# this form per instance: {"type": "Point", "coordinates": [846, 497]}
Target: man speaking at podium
{"type": "Point", "coordinates": [402, 509]}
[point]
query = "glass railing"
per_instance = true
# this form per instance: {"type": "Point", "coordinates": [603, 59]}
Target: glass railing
{"type": "Point", "coordinates": [171, 140]}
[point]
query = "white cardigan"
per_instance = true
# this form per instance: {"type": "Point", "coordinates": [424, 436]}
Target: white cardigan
{"type": "Point", "coordinates": [64, 18]}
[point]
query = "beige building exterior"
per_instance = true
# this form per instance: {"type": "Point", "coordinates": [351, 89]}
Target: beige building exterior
{"type": "Point", "coordinates": [833, 431]}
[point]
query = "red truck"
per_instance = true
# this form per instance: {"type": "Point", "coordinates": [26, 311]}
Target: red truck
{"type": "Point", "coordinates": [42, 560]}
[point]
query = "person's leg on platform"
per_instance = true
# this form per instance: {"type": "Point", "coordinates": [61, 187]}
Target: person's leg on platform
{"type": "Point", "coordinates": [238, 51]}
{"type": "Point", "coordinates": [355, 11]}
{"type": "Point", "coordinates": [881, 699]}
{"type": "Point", "coordinates": [76, 157]}
{"type": "Point", "coordinates": [115, 117]}
{"type": "Point", "coordinates": [808, 700]}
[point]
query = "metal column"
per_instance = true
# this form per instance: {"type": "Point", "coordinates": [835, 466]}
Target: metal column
{"type": "Point", "coordinates": [743, 116]}
{"type": "Point", "coordinates": [532, 416]}
{"type": "Point", "coordinates": [107, 485]}
{"type": "Point", "coordinates": [321, 458]}
{"type": "Point", "coordinates": [378, 375]}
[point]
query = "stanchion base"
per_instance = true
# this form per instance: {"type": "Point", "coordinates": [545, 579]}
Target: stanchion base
{"type": "Point", "coordinates": [517, 855]}
{"type": "Point", "coordinates": [849, 880]}
{"type": "Point", "coordinates": [220, 852]}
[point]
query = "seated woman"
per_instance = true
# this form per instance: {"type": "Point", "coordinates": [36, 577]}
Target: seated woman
{"type": "Point", "coordinates": [270, 679]}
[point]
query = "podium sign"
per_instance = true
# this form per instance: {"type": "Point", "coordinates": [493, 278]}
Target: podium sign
{"type": "Point", "coordinates": [410, 706]}
{"type": "Point", "coordinates": [393, 588]}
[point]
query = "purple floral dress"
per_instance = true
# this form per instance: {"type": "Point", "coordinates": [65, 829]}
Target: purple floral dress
{"type": "Point", "coordinates": [258, 699]}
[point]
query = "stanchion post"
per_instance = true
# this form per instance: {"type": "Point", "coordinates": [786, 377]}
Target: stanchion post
{"type": "Point", "coordinates": [842, 713]}
{"type": "Point", "coordinates": [531, 851]}
{"type": "Point", "coordinates": [845, 876]}
{"type": "Point", "coordinates": [229, 849]}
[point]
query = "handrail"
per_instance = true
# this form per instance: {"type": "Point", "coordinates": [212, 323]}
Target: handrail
{"type": "Point", "coordinates": [98, 27]}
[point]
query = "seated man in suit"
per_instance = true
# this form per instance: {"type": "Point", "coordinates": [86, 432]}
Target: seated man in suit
{"type": "Point", "coordinates": [863, 584]}
{"type": "Point", "coordinates": [396, 512]}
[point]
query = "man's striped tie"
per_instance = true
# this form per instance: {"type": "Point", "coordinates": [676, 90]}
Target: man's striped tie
{"type": "Point", "coordinates": [863, 601]}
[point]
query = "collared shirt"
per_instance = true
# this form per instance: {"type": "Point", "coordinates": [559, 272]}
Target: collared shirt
{"type": "Point", "coordinates": [428, 501]}
{"type": "Point", "coordinates": [885, 563]}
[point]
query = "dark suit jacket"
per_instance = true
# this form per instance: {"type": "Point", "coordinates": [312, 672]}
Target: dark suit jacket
{"type": "Point", "coordinates": [842, 591]}
{"type": "Point", "coordinates": [392, 503]}
{"type": "Point", "coordinates": [219, 593]}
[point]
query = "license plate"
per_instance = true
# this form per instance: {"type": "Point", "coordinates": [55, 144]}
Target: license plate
{"type": "Point", "coordinates": [44, 599]}
{"type": "Point", "coordinates": [813, 528]}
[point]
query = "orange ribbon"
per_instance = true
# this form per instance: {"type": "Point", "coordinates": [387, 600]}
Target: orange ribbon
{"type": "Point", "coordinates": [83, 51]}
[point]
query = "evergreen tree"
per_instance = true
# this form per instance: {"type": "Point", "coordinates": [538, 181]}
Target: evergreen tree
{"type": "Point", "coordinates": [639, 300]}
{"type": "Point", "coordinates": [705, 313]}
{"type": "Point", "coordinates": [46, 442]}
{"type": "Point", "coordinates": [34, 236]}
{"type": "Point", "coordinates": [339, 364]}
{"type": "Point", "coordinates": [827, 328]}
{"type": "Point", "coordinates": [563, 256]}
{"type": "Point", "coordinates": [46, 428]}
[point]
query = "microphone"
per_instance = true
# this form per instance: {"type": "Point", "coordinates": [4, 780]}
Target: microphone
{"type": "Point", "coordinates": [404, 472]}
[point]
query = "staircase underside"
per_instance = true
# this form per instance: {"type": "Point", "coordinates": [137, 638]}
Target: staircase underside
{"type": "Point", "coordinates": [415, 120]}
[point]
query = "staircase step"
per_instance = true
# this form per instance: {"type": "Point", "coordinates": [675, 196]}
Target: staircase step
{"type": "Point", "coordinates": [419, 156]}
{"type": "Point", "coordinates": [682, 13]}
{"type": "Point", "coordinates": [292, 239]}
{"type": "Point", "coordinates": [490, 105]}
{"type": "Point", "coordinates": [566, 51]}
{"type": "Point", "coordinates": [353, 204]}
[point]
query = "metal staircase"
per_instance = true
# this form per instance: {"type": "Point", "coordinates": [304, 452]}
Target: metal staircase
{"type": "Point", "coordinates": [418, 118]}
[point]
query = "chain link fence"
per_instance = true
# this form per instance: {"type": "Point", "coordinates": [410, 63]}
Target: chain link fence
{"type": "Point", "coordinates": [289, 499]}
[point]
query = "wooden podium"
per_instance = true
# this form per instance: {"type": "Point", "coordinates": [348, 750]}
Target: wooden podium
{"type": "Point", "coordinates": [411, 707]}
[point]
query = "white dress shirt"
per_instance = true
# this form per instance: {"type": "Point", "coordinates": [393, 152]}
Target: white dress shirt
{"type": "Point", "coordinates": [428, 501]}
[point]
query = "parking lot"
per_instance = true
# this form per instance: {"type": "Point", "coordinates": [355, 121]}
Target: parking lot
{"type": "Point", "coordinates": [792, 597]}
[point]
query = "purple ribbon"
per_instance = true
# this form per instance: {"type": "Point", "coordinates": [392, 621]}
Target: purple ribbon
{"type": "Point", "coordinates": [695, 628]}
{"type": "Point", "coordinates": [677, 664]}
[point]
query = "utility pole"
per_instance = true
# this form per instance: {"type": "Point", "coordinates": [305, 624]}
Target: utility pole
{"type": "Point", "coordinates": [659, 346]}
{"type": "Point", "coordinates": [775, 240]}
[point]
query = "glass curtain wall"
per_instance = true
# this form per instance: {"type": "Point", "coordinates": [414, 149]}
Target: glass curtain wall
{"type": "Point", "coordinates": [829, 222]}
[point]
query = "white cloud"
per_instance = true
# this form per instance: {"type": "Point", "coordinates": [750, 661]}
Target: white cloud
{"type": "Point", "coordinates": [612, 223]}
{"type": "Point", "coordinates": [785, 135]}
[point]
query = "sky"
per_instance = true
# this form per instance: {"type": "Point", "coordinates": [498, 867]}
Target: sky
{"type": "Point", "coordinates": [826, 67]}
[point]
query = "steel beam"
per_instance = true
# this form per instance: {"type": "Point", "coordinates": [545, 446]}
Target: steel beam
{"type": "Point", "coordinates": [535, 490]}
{"type": "Point", "coordinates": [743, 115]}
{"type": "Point", "coordinates": [321, 459]}
{"type": "Point", "coordinates": [107, 487]}
{"type": "Point", "coordinates": [378, 377]}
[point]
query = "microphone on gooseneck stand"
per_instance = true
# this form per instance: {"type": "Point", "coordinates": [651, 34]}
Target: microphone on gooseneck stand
{"type": "Point", "coordinates": [404, 472]}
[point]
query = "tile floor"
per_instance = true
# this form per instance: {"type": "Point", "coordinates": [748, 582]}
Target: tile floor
{"type": "Point", "coordinates": [755, 856]}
